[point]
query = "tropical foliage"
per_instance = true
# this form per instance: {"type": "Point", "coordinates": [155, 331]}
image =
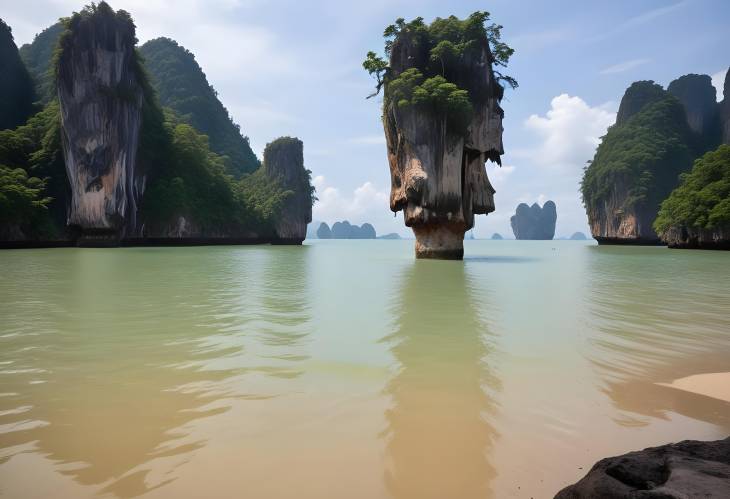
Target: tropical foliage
{"type": "Point", "coordinates": [436, 80]}
{"type": "Point", "coordinates": [702, 201]}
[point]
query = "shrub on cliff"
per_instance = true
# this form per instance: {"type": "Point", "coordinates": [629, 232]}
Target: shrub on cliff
{"type": "Point", "coordinates": [436, 81]}
{"type": "Point", "coordinates": [645, 155]}
{"type": "Point", "coordinates": [702, 201]}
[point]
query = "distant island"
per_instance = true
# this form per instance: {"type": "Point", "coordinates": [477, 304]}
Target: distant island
{"type": "Point", "coordinates": [534, 222]}
{"type": "Point", "coordinates": [578, 236]}
{"type": "Point", "coordinates": [346, 230]}
{"type": "Point", "coordinates": [497, 236]}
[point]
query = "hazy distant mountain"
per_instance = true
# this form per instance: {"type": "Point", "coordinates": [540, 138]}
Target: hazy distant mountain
{"type": "Point", "coordinates": [391, 235]}
{"type": "Point", "coordinates": [37, 57]}
{"type": "Point", "coordinates": [578, 236]}
{"type": "Point", "coordinates": [182, 86]}
{"type": "Point", "coordinates": [345, 230]}
{"type": "Point", "coordinates": [497, 236]}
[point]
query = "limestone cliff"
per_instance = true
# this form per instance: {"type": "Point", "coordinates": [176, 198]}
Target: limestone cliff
{"type": "Point", "coordinates": [699, 99]}
{"type": "Point", "coordinates": [284, 161]}
{"type": "Point", "coordinates": [438, 174]}
{"type": "Point", "coordinates": [637, 165]}
{"type": "Point", "coordinates": [533, 222]}
{"type": "Point", "coordinates": [100, 99]}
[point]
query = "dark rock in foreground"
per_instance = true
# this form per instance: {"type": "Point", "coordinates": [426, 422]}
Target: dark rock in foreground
{"type": "Point", "coordinates": [684, 470]}
{"type": "Point", "coordinates": [533, 222]}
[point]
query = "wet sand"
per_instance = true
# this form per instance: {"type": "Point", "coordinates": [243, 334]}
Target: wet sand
{"type": "Point", "coordinates": [715, 385]}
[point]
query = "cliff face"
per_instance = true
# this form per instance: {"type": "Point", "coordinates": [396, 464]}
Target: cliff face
{"type": "Point", "coordinates": [698, 97]}
{"type": "Point", "coordinates": [16, 87]}
{"type": "Point", "coordinates": [638, 164]}
{"type": "Point", "coordinates": [438, 174]}
{"type": "Point", "coordinates": [100, 99]}
{"type": "Point", "coordinates": [725, 111]}
{"type": "Point", "coordinates": [284, 161]}
{"type": "Point", "coordinates": [533, 222]}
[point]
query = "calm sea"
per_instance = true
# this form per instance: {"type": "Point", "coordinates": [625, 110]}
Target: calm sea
{"type": "Point", "coordinates": [346, 369]}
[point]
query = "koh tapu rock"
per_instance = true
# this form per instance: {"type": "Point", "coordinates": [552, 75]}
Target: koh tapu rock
{"type": "Point", "coordinates": [443, 121]}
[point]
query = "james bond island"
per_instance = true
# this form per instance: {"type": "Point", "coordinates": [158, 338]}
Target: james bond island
{"type": "Point", "coordinates": [207, 289]}
{"type": "Point", "coordinates": [442, 121]}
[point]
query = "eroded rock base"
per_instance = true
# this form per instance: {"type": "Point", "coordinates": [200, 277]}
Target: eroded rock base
{"type": "Point", "coordinates": [439, 242]}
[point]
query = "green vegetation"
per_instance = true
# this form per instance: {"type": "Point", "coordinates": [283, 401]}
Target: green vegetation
{"type": "Point", "coordinates": [435, 79]}
{"type": "Point", "coordinates": [35, 149]}
{"type": "Point", "coordinates": [702, 201]}
{"type": "Point", "coordinates": [22, 204]}
{"type": "Point", "coordinates": [16, 88]}
{"type": "Point", "coordinates": [37, 57]}
{"type": "Point", "coordinates": [182, 86]}
{"type": "Point", "coordinates": [646, 154]}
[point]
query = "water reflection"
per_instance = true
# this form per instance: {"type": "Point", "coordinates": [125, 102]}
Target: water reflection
{"type": "Point", "coordinates": [438, 433]}
{"type": "Point", "coordinates": [108, 359]}
{"type": "Point", "coordinates": [647, 331]}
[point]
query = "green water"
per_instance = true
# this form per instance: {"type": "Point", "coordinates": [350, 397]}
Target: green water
{"type": "Point", "coordinates": [348, 369]}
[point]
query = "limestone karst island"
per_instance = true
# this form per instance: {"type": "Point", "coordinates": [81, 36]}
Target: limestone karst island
{"type": "Point", "coordinates": [385, 250]}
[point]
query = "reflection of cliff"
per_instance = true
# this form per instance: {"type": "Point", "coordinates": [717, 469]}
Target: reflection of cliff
{"type": "Point", "coordinates": [132, 355]}
{"type": "Point", "coordinates": [645, 336]}
{"type": "Point", "coordinates": [438, 430]}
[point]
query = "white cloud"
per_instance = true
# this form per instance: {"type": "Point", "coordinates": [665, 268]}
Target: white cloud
{"type": "Point", "coordinates": [366, 203]}
{"type": "Point", "coordinates": [624, 66]}
{"type": "Point", "coordinates": [569, 133]}
{"type": "Point", "coordinates": [718, 81]}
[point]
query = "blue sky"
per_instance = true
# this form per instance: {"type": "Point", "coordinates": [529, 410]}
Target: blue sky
{"type": "Point", "coordinates": [294, 68]}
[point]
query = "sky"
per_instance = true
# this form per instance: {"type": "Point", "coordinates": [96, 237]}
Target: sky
{"type": "Point", "coordinates": [294, 68]}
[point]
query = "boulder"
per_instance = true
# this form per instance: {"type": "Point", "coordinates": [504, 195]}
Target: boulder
{"type": "Point", "coordinates": [675, 471]}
